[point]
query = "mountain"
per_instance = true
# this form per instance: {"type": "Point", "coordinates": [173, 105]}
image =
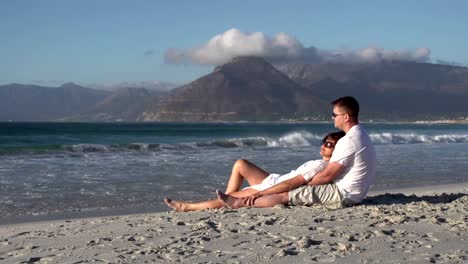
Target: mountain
{"type": "Point", "coordinates": [124, 104]}
{"type": "Point", "coordinates": [37, 103]}
{"type": "Point", "coordinates": [251, 89]}
{"type": "Point", "coordinates": [148, 85]}
{"type": "Point", "coordinates": [390, 90]}
{"type": "Point", "coordinates": [247, 88]}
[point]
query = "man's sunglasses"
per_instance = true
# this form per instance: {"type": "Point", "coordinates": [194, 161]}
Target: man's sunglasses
{"type": "Point", "coordinates": [335, 115]}
{"type": "Point", "coordinates": [328, 144]}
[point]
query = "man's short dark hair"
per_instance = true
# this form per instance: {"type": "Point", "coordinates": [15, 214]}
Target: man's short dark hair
{"type": "Point", "coordinates": [349, 104]}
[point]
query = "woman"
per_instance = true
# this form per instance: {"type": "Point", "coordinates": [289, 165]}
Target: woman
{"type": "Point", "coordinates": [259, 179]}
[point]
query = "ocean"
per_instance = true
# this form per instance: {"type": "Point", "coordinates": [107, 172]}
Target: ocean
{"type": "Point", "coordinates": [84, 169]}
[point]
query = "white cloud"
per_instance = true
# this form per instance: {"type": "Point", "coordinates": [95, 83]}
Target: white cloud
{"type": "Point", "coordinates": [372, 54]}
{"type": "Point", "coordinates": [281, 47]}
{"type": "Point", "coordinates": [232, 43]}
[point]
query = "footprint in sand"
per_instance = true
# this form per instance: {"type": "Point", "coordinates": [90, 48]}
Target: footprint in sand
{"type": "Point", "coordinates": [325, 258]}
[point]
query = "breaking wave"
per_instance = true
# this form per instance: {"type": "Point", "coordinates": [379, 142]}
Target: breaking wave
{"type": "Point", "coordinates": [293, 139]}
{"type": "Point", "coordinates": [289, 140]}
{"type": "Point", "coordinates": [411, 138]}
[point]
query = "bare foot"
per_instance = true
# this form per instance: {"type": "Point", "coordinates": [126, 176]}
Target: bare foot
{"type": "Point", "coordinates": [229, 201]}
{"type": "Point", "coordinates": [176, 205]}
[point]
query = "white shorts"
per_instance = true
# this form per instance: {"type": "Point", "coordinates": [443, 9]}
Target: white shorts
{"type": "Point", "coordinates": [268, 182]}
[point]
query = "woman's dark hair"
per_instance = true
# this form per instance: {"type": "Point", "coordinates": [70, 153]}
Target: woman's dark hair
{"type": "Point", "coordinates": [334, 136]}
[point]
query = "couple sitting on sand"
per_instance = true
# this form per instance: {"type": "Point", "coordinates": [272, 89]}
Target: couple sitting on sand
{"type": "Point", "coordinates": [340, 179]}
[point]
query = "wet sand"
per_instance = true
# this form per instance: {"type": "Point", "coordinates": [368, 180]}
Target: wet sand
{"type": "Point", "coordinates": [396, 227]}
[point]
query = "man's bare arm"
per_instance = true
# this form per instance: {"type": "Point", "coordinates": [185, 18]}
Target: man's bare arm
{"type": "Point", "coordinates": [328, 175]}
{"type": "Point", "coordinates": [282, 187]}
{"type": "Point", "coordinates": [285, 186]}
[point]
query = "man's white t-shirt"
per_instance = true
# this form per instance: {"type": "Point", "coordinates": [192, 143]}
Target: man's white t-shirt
{"type": "Point", "coordinates": [356, 153]}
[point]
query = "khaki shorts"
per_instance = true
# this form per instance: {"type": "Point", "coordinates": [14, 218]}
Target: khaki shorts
{"type": "Point", "coordinates": [327, 194]}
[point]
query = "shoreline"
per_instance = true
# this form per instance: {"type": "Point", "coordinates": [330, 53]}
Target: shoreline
{"type": "Point", "coordinates": [460, 187]}
{"type": "Point", "coordinates": [386, 228]}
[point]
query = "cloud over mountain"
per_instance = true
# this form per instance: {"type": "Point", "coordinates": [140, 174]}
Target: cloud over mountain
{"type": "Point", "coordinates": [281, 47]}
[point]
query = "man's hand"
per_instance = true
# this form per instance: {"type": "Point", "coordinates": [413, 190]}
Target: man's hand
{"type": "Point", "coordinates": [250, 200]}
{"type": "Point", "coordinates": [281, 187]}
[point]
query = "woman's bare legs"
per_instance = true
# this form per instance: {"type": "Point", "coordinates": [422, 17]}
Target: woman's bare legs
{"type": "Point", "coordinates": [271, 200]}
{"type": "Point", "coordinates": [182, 206]}
{"type": "Point", "coordinates": [244, 169]}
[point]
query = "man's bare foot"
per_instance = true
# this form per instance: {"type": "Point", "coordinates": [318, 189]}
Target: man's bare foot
{"type": "Point", "coordinates": [176, 205]}
{"type": "Point", "coordinates": [229, 201]}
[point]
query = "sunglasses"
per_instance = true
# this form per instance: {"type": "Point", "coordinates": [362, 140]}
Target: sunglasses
{"type": "Point", "coordinates": [328, 144]}
{"type": "Point", "coordinates": [335, 115]}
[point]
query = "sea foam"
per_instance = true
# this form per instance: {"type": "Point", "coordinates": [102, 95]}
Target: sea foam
{"type": "Point", "coordinates": [412, 138]}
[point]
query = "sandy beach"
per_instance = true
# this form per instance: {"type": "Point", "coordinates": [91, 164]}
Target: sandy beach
{"type": "Point", "coordinates": [430, 227]}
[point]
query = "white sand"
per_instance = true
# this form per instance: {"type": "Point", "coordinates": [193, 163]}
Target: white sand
{"type": "Point", "coordinates": [387, 228]}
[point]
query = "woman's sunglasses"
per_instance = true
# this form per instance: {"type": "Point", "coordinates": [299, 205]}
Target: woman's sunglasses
{"type": "Point", "coordinates": [328, 144]}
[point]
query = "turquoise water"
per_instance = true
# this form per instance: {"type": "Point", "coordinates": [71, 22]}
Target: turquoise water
{"type": "Point", "coordinates": [49, 168]}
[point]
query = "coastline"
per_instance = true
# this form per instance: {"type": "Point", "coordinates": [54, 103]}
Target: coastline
{"type": "Point", "coordinates": [289, 121]}
{"type": "Point", "coordinates": [390, 226]}
{"type": "Point", "coordinates": [160, 207]}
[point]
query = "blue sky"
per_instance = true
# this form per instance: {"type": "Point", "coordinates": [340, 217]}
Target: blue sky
{"type": "Point", "coordinates": [106, 41]}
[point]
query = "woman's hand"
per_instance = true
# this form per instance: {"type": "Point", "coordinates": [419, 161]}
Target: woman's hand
{"type": "Point", "coordinates": [250, 200]}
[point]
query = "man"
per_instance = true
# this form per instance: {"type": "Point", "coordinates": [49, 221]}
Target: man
{"type": "Point", "coordinates": [344, 181]}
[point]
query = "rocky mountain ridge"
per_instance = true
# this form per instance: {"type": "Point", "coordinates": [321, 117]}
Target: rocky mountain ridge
{"type": "Point", "coordinates": [251, 89]}
{"type": "Point", "coordinates": [247, 88]}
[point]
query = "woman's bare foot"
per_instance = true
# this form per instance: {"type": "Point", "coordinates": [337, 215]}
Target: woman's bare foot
{"type": "Point", "coordinates": [176, 205]}
{"type": "Point", "coordinates": [229, 201]}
